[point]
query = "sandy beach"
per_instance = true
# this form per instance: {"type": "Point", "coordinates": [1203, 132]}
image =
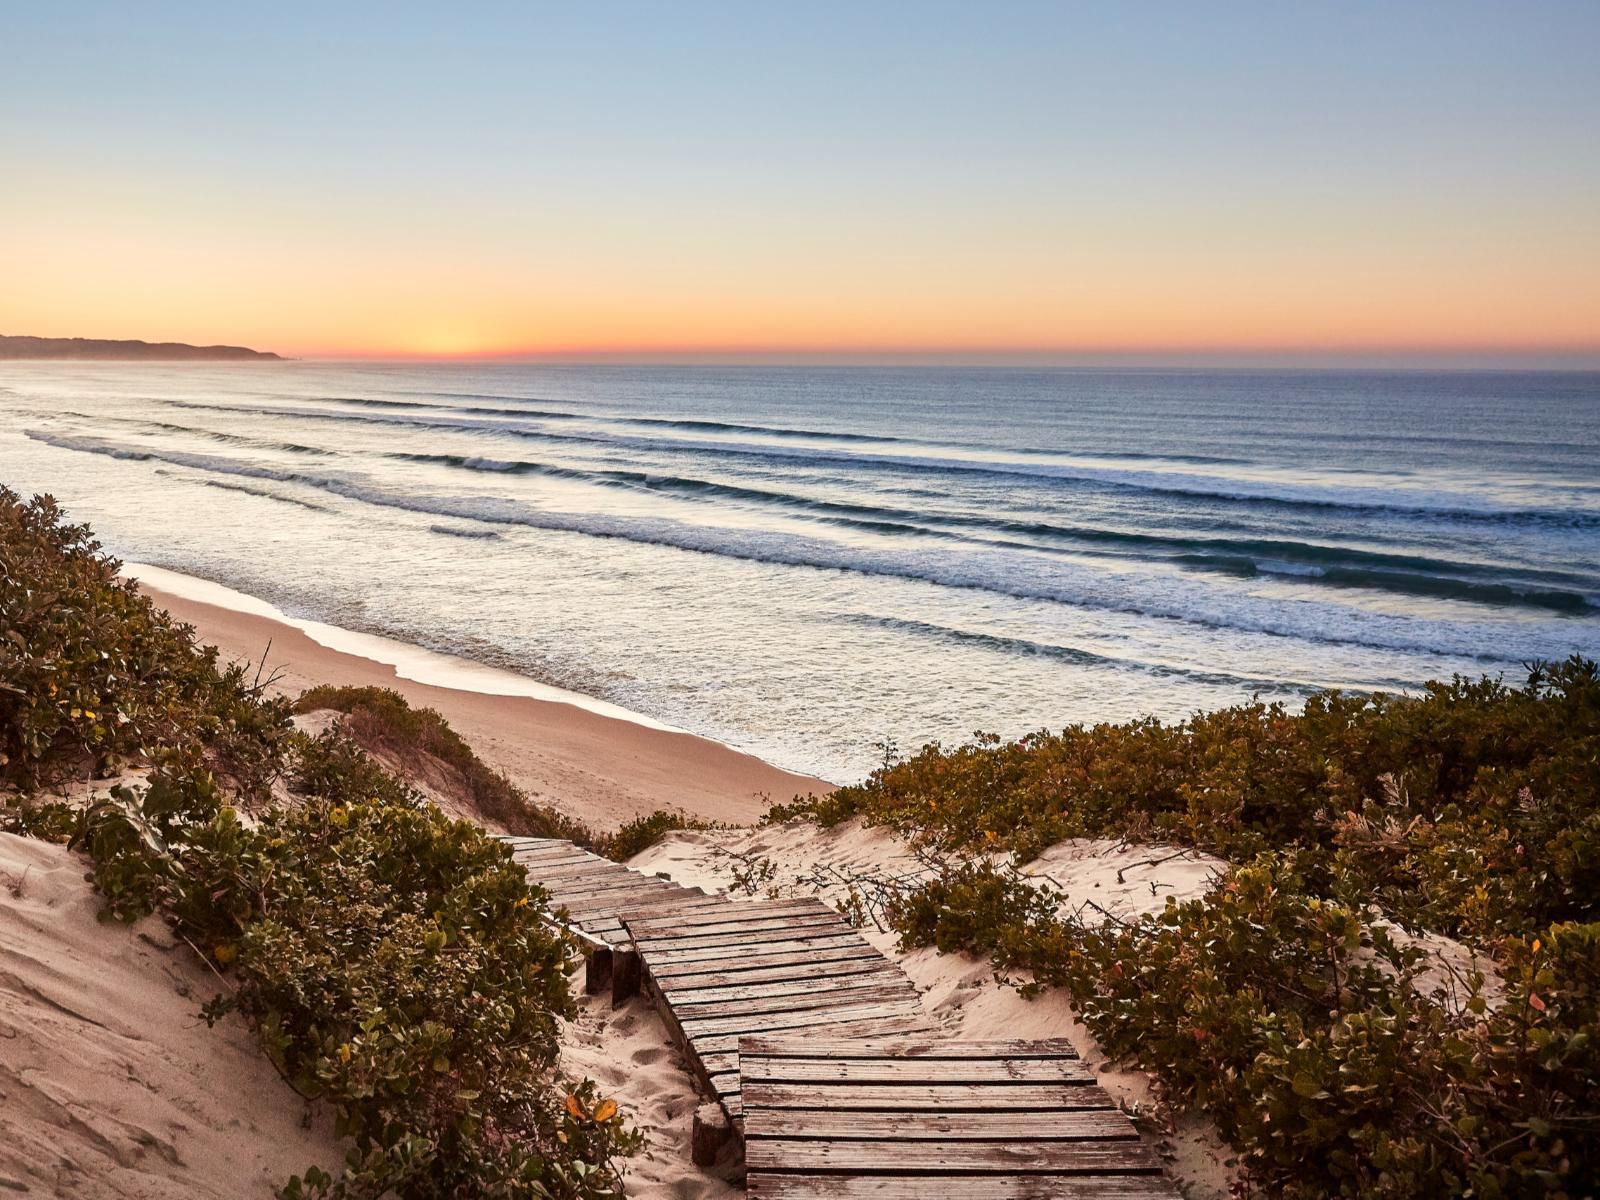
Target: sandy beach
{"type": "Point", "coordinates": [601, 769]}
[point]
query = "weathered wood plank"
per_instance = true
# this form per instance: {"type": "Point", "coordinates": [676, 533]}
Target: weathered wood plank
{"type": "Point", "coordinates": [800, 1154]}
{"type": "Point", "coordinates": [803, 996]}
{"type": "Point", "coordinates": [800, 1186]}
{"type": "Point", "coordinates": [756, 970]}
{"type": "Point", "coordinates": [684, 998]}
{"type": "Point", "coordinates": [909, 1048]}
{"type": "Point", "coordinates": [729, 1042]}
{"type": "Point", "coordinates": [580, 868]}
{"type": "Point", "coordinates": [543, 859]}
{"type": "Point", "coordinates": [996, 1072]}
{"type": "Point", "coordinates": [876, 1002]}
{"type": "Point", "coordinates": [944, 1097]}
{"type": "Point", "coordinates": [743, 935]}
{"type": "Point", "coordinates": [736, 910]}
{"type": "Point", "coordinates": [607, 897]}
{"type": "Point", "coordinates": [1095, 1124]}
{"type": "Point", "coordinates": [769, 949]}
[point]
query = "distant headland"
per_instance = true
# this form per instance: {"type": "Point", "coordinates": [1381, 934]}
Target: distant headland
{"type": "Point", "coordinates": [103, 348]}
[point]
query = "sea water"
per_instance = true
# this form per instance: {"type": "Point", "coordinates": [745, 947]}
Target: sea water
{"type": "Point", "coordinates": [811, 562]}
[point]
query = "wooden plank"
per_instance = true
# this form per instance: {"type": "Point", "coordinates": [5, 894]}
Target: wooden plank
{"type": "Point", "coordinates": [761, 949]}
{"type": "Point", "coordinates": [908, 1048]}
{"type": "Point", "coordinates": [601, 899]}
{"type": "Point", "coordinates": [1034, 1127]}
{"type": "Point", "coordinates": [725, 1079]}
{"type": "Point", "coordinates": [742, 934]}
{"type": "Point", "coordinates": [802, 1186]}
{"type": "Point", "coordinates": [729, 1042]}
{"type": "Point", "coordinates": [607, 897]}
{"type": "Point", "coordinates": [578, 868]}
{"type": "Point", "coordinates": [867, 1014]}
{"type": "Point", "coordinates": [540, 860]}
{"type": "Point", "coordinates": [733, 911]}
{"type": "Point", "coordinates": [754, 1015]}
{"type": "Point", "coordinates": [800, 1154]}
{"type": "Point", "coordinates": [944, 1097]}
{"type": "Point", "coordinates": [684, 998]}
{"type": "Point", "coordinates": [997, 1072]}
{"type": "Point", "coordinates": [700, 974]}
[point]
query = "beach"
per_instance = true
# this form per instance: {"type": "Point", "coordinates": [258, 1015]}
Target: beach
{"type": "Point", "coordinates": [600, 769]}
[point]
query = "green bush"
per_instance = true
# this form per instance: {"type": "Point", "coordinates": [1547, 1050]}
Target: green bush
{"type": "Point", "coordinates": [382, 720]}
{"type": "Point", "coordinates": [643, 832]}
{"type": "Point", "coordinates": [394, 964]}
{"type": "Point", "coordinates": [1279, 1004]}
{"type": "Point", "coordinates": [93, 675]}
{"type": "Point", "coordinates": [1470, 809]}
{"type": "Point", "coordinates": [1295, 1023]}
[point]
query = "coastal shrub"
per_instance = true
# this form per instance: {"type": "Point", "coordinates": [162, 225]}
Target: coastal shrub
{"type": "Point", "coordinates": [383, 721]}
{"type": "Point", "coordinates": [1281, 1005]}
{"type": "Point", "coordinates": [92, 675]}
{"type": "Point", "coordinates": [1297, 1025]}
{"type": "Point", "coordinates": [1472, 808]}
{"type": "Point", "coordinates": [639, 834]}
{"type": "Point", "coordinates": [394, 964]}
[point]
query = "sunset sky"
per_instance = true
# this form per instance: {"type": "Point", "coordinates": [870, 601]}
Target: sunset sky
{"type": "Point", "coordinates": [1073, 182]}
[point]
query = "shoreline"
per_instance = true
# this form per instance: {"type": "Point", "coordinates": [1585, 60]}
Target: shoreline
{"type": "Point", "coordinates": [591, 760]}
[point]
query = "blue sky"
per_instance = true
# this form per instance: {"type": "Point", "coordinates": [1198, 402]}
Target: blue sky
{"type": "Point", "coordinates": [1008, 178]}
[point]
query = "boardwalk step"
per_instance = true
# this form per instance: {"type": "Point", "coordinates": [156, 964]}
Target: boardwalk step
{"type": "Point", "coordinates": [898, 1118]}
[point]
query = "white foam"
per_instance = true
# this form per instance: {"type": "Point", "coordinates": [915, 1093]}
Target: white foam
{"type": "Point", "coordinates": [410, 662]}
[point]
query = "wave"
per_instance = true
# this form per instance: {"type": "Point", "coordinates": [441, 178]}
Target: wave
{"type": "Point", "coordinates": [1332, 565]}
{"type": "Point", "coordinates": [1073, 654]}
{"type": "Point", "coordinates": [1364, 501]}
{"type": "Point", "coordinates": [215, 435]}
{"type": "Point", "coordinates": [266, 495]}
{"type": "Point", "coordinates": [1042, 580]}
{"type": "Point", "coordinates": [1439, 587]}
{"type": "Point", "coordinates": [462, 532]}
{"type": "Point", "coordinates": [548, 414]}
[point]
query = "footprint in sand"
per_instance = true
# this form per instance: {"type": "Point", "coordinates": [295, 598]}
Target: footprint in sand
{"type": "Point", "coordinates": [648, 1055]}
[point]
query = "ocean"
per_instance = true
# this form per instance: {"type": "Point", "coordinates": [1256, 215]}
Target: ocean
{"type": "Point", "coordinates": [810, 563]}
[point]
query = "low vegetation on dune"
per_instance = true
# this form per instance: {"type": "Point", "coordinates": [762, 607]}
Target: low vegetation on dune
{"type": "Point", "coordinates": [420, 742]}
{"type": "Point", "coordinates": [383, 721]}
{"type": "Point", "coordinates": [392, 960]}
{"type": "Point", "coordinates": [1292, 1004]}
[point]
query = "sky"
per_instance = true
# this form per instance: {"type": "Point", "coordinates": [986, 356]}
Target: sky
{"type": "Point", "coordinates": [1124, 181]}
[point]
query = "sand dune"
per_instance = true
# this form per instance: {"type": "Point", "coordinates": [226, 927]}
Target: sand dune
{"type": "Point", "coordinates": [110, 1084]}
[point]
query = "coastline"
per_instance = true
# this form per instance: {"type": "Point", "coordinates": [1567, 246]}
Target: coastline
{"type": "Point", "coordinates": [582, 757]}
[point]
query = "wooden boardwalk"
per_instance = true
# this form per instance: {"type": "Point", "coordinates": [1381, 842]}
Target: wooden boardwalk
{"type": "Point", "coordinates": [844, 1119]}
{"type": "Point", "coordinates": [819, 1053]}
{"type": "Point", "coordinates": [587, 892]}
{"type": "Point", "coordinates": [719, 974]}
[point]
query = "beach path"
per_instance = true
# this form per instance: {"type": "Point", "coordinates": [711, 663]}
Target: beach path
{"type": "Point", "coordinates": [587, 892]}
{"type": "Point", "coordinates": [907, 1119]}
{"type": "Point", "coordinates": [756, 967]}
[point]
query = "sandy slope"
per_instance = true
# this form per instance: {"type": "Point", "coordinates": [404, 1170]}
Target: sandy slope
{"type": "Point", "coordinates": [110, 1084]}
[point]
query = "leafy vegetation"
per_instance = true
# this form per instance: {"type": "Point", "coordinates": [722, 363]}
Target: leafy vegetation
{"type": "Point", "coordinates": [392, 960]}
{"type": "Point", "coordinates": [91, 675]}
{"type": "Point", "coordinates": [383, 721]}
{"type": "Point", "coordinates": [1283, 1004]}
{"type": "Point", "coordinates": [1470, 809]}
{"type": "Point", "coordinates": [641, 833]}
